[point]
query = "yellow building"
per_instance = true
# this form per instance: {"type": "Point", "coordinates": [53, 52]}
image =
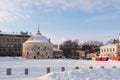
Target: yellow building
{"type": "Point", "coordinates": [110, 50]}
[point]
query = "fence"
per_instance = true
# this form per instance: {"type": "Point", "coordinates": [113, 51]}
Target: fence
{"type": "Point", "coordinates": [48, 69]}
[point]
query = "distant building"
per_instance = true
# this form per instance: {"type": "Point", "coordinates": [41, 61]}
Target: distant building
{"type": "Point", "coordinates": [55, 46]}
{"type": "Point", "coordinates": [57, 53]}
{"type": "Point", "coordinates": [110, 50]}
{"type": "Point", "coordinates": [11, 43]}
{"type": "Point", "coordinates": [38, 47]}
{"type": "Point", "coordinates": [80, 54]}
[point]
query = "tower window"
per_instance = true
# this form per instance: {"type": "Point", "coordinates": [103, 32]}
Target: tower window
{"type": "Point", "coordinates": [27, 53]}
{"type": "Point", "coordinates": [38, 53]}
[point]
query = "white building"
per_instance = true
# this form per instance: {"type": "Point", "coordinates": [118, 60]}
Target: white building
{"type": "Point", "coordinates": [38, 47]}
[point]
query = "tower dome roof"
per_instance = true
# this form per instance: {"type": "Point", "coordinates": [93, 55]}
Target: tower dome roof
{"type": "Point", "coordinates": [38, 37]}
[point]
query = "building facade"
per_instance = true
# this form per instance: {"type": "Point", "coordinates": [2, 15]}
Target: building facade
{"type": "Point", "coordinates": [11, 43]}
{"type": "Point", "coordinates": [37, 47]}
{"type": "Point", "coordinates": [110, 50]}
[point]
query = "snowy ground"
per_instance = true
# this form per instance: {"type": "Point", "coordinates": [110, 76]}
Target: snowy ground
{"type": "Point", "coordinates": [37, 69]}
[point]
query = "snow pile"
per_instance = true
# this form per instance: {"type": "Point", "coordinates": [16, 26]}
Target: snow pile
{"type": "Point", "coordinates": [85, 74]}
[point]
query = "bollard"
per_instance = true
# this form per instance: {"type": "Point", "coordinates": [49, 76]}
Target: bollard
{"type": "Point", "coordinates": [114, 67]}
{"type": "Point", "coordinates": [77, 68]}
{"type": "Point", "coordinates": [26, 71]}
{"type": "Point", "coordinates": [48, 69]}
{"type": "Point", "coordinates": [63, 69]}
{"type": "Point", "coordinates": [102, 67]}
{"type": "Point", "coordinates": [90, 67]}
{"type": "Point", "coordinates": [9, 71]}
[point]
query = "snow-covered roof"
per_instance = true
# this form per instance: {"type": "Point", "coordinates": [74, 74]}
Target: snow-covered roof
{"type": "Point", "coordinates": [8, 33]}
{"type": "Point", "coordinates": [56, 49]}
{"type": "Point", "coordinates": [110, 45]}
{"type": "Point", "coordinates": [14, 33]}
{"type": "Point", "coordinates": [37, 38]}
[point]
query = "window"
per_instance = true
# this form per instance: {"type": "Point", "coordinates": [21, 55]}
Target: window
{"type": "Point", "coordinates": [27, 53]}
{"type": "Point", "coordinates": [101, 50]}
{"type": "Point", "coordinates": [15, 40]}
{"type": "Point", "coordinates": [7, 40]}
{"type": "Point", "coordinates": [113, 49]}
{"type": "Point", "coordinates": [8, 45]}
{"type": "Point", "coordinates": [4, 45]}
{"type": "Point", "coordinates": [9, 50]}
{"type": "Point", "coordinates": [110, 49]}
{"type": "Point", "coordinates": [107, 50]}
{"type": "Point", "coordinates": [11, 40]}
{"type": "Point", "coordinates": [104, 50]}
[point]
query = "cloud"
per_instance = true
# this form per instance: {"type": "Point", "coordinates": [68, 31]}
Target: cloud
{"type": "Point", "coordinates": [14, 10]}
{"type": "Point", "coordinates": [102, 17]}
{"type": "Point", "coordinates": [11, 10]}
{"type": "Point", "coordinates": [83, 5]}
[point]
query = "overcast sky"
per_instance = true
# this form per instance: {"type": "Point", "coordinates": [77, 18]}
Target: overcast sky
{"type": "Point", "coordinates": [61, 20]}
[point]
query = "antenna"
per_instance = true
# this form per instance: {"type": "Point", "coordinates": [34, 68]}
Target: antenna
{"type": "Point", "coordinates": [38, 32]}
{"type": "Point", "coordinates": [38, 29]}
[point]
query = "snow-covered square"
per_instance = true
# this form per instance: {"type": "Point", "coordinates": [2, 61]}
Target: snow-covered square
{"type": "Point", "coordinates": [37, 69]}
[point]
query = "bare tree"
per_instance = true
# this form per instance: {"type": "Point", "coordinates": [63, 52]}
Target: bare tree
{"type": "Point", "coordinates": [69, 48]}
{"type": "Point", "coordinates": [91, 46]}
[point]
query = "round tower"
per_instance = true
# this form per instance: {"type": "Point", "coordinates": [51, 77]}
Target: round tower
{"type": "Point", "coordinates": [37, 47]}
